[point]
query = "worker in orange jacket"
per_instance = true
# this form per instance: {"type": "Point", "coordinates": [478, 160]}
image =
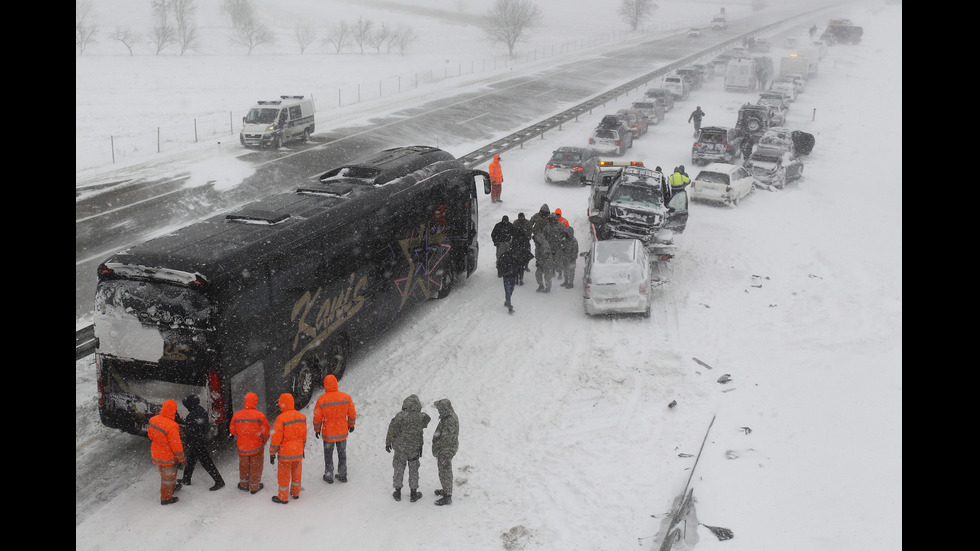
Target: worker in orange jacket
{"type": "Point", "coordinates": [250, 427]}
{"type": "Point", "coordinates": [496, 179]}
{"type": "Point", "coordinates": [333, 418]}
{"type": "Point", "coordinates": [166, 449]}
{"type": "Point", "coordinates": [289, 443]}
{"type": "Point", "coordinates": [561, 218]}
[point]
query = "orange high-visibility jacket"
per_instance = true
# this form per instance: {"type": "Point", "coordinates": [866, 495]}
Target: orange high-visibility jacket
{"type": "Point", "coordinates": [164, 434]}
{"type": "Point", "coordinates": [288, 432]}
{"type": "Point", "coordinates": [334, 414]}
{"type": "Point", "coordinates": [561, 218]}
{"type": "Point", "coordinates": [496, 174]}
{"type": "Point", "coordinates": [250, 427]}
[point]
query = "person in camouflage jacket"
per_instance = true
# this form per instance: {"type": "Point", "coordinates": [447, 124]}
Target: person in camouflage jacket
{"type": "Point", "coordinates": [405, 436]}
{"type": "Point", "coordinates": [445, 442]}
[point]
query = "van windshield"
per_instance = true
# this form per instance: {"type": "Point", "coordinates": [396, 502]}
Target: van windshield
{"type": "Point", "coordinates": [258, 115]}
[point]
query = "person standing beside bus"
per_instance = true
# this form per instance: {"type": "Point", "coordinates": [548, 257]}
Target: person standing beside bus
{"type": "Point", "coordinates": [405, 436]}
{"type": "Point", "coordinates": [333, 417]}
{"type": "Point", "coordinates": [288, 442]}
{"type": "Point", "coordinates": [196, 429]}
{"type": "Point", "coordinates": [166, 450]}
{"type": "Point", "coordinates": [250, 427]}
{"type": "Point", "coordinates": [496, 179]}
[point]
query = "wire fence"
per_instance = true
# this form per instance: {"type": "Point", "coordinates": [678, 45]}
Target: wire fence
{"type": "Point", "coordinates": [144, 143]}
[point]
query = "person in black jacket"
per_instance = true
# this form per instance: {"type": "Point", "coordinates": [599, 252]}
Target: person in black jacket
{"type": "Point", "coordinates": [509, 267]}
{"type": "Point", "coordinates": [195, 432]}
{"type": "Point", "coordinates": [502, 234]}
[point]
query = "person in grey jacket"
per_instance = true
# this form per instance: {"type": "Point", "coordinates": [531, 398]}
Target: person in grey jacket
{"type": "Point", "coordinates": [570, 250]}
{"type": "Point", "coordinates": [445, 442]}
{"type": "Point", "coordinates": [544, 262]}
{"type": "Point", "coordinates": [405, 436]}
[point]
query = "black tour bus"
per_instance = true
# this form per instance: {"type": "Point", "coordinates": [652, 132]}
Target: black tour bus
{"type": "Point", "coordinates": [272, 297]}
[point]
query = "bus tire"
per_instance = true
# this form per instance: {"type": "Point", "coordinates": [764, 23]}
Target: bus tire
{"type": "Point", "coordinates": [448, 280]}
{"type": "Point", "coordinates": [336, 357]}
{"type": "Point", "coordinates": [306, 376]}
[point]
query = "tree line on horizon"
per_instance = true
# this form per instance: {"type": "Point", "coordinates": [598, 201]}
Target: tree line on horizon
{"type": "Point", "coordinates": [507, 22]}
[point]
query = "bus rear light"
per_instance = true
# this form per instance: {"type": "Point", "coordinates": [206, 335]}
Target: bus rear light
{"type": "Point", "coordinates": [217, 398]}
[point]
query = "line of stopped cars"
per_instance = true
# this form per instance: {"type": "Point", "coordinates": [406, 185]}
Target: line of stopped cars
{"type": "Point", "coordinates": [634, 213]}
{"type": "Point", "coordinates": [771, 153]}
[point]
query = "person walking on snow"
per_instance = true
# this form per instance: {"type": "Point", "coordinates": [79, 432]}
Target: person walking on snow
{"type": "Point", "coordinates": [405, 436]}
{"type": "Point", "coordinates": [196, 429]}
{"type": "Point", "coordinates": [696, 116]}
{"type": "Point", "coordinates": [251, 430]}
{"type": "Point", "coordinates": [509, 267]}
{"type": "Point", "coordinates": [333, 417]}
{"type": "Point", "coordinates": [496, 179]}
{"type": "Point", "coordinates": [445, 442]}
{"type": "Point", "coordinates": [289, 443]}
{"type": "Point", "coordinates": [166, 449]}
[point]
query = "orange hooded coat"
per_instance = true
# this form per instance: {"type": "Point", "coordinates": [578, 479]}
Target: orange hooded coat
{"type": "Point", "coordinates": [288, 432]}
{"type": "Point", "coordinates": [250, 427]}
{"type": "Point", "coordinates": [334, 414]}
{"type": "Point", "coordinates": [496, 174]}
{"type": "Point", "coordinates": [164, 434]}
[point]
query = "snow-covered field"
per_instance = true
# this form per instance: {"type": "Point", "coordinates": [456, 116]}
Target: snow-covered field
{"type": "Point", "coordinates": [566, 438]}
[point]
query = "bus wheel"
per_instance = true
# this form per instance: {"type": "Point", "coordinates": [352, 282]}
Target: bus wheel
{"type": "Point", "coordinates": [304, 382]}
{"type": "Point", "coordinates": [336, 357]}
{"type": "Point", "coordinates": [448, 280]}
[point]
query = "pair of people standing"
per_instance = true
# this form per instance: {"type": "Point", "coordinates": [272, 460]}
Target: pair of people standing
{"type": "Point", "coordinates": [167, 448]}
{"type": "Point", "coordinates": [405, 437]}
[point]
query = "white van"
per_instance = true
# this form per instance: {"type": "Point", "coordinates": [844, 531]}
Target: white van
{"type": "Point", "coordinates": [272, 123]}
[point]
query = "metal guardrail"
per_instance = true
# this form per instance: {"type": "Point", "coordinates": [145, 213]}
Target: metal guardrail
{"type": "Point", "coordinates": [85, 341]}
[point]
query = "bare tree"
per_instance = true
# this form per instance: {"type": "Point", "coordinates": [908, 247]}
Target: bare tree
{"type": "Point", "coordinates": [401, 38]}
{"type": "Point", "coordinates": [508, 21]}
{"type": "Point", "coordinates": [186, 29]}
{"type": "Point", "coordinates": [85, 30]}
{"type": "Point", "coordinates": [338, 36]}
{"type": "Point", "coordinates": [163, 33]}
{"type": "Point", "coordinates": [635, 12]}
{"type": "Point", "coordinates": [360, 32]}
{"type": "Point", "coordinates": [377, 38]}
{"type": "Point", "coordinates": [127, 37]}
{"type": "Point", "coordinates": [252, 34]}
{"type": "Point", "coordinates": [239, 11]}
{"type": "Point", "coordinates": [305, 35]}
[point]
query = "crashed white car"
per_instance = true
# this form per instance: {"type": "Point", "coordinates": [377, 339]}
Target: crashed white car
{"type": "Point", "coordinates": [722, 183]}
{"type": "Point", "coordinates": [618, 278]}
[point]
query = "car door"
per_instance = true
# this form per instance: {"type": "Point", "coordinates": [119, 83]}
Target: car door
{"type": "Point", "coordinates": [743, 182]}
{"type": "Point", "coordinates": [677, 210]}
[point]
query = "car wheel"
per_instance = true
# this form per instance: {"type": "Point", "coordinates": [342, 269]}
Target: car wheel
{"type": "Point", "coordinates": [307, 135]}
{"type": "Point", "coordinates": [735, 200]}
{"type": "Point", "coordinates": [277, 142]}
